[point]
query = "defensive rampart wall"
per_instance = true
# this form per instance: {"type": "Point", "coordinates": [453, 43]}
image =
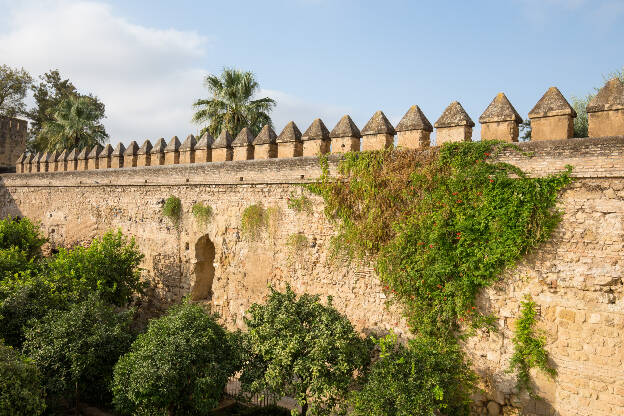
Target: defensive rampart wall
{"type": "Point", "coordinates": [576, 278]}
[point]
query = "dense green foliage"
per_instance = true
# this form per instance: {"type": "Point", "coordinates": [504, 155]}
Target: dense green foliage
{"type": "Point", "coordinates": [202, 213]}
{"type": "Point", "coordinates": [425, 378]}
{"type": "Point", "coordinates": [232, 106]}
{"type": "Point", "coordinates": [54, 112]}
{"type": "Point", "coordinates": [76, 123]}
{"type": "Point", "coordinates": [529, 346]}
{"type": "Point", "coordinates": [300, 203]}
{"type": "Point", "coordinates": [440, 226]}
{"type": "Point", "coordinates": [14, 85]}
{"type": "Point", "coordinates": [300, 348]}
{"type": "Point", "coordinates": [109, 266]}
{"type": "Point", "coordinates": [241, 410]}
{"type": "Point", "coordinates": [22, 234]}
{"type": "Point", "coordinates": [21, 393]}
{"type": "Point", "coordinates": [254, 220]}
{"type": "Point", "coordinates": [180, 366]}
{"type": "Point", "coordinates": [76, 349]}
{"type": "Point", "coordinates": [172, 209]}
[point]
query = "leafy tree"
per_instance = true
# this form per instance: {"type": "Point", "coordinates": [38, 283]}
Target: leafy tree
{"type": "Point", "coordinates": [426, 377]}
{"type": "Point", "coordinates": [21, 393]}
{"type": "Point", "coordinates": [14, 84]}
{"type": "Point", "coordinates": [302, 349]}
{"type": "Point", "coordinates": [77, 349]}
{"type": "Point", "coordinates": [77, 122]}
{"type": "Point", "coordinates": [231, 105]}
{"type": "Point", "coordinates": [180, 366]}
{"type": "Point", "coordinates": [109, 266]}
{"type": "Point", "coordinates": [22, 234]}
{"type": "Point", "coordinates": [49, 95]}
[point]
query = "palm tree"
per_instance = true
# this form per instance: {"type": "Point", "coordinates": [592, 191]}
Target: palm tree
{"type": "Point", "coordinates": [231, 106]}
{"type": "Point", "coordinates": [76, 123]}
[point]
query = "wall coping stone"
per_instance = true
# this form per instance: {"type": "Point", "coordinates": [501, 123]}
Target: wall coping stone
{"type": "Point", "coordinates": [378, 124]}
{"type": "Point", "coordinates": [266, 136]}
{"type": "Point", "coordinates": [610, 97]}
{"type": "Point", "coordinates": [552, 103]}
{"type": "Point", "coordinates": [316, 131]}
{"type": "Point", "coordinates": [453, 116]}
{"type": "Point", "coordinates": [223, 141]}
{"type": "Point", "coordinates": [145, 148]}
{"type": "Point", "coordinates": [345, 128]}
{"type": "Point", "coordinates": [205, 142]}
{"type": "Point", "coordinates": [414, 119]}
{"type": "Point", "coordinates": [289, 134]}
{"type": "Point", "coordinates": [500, 109]}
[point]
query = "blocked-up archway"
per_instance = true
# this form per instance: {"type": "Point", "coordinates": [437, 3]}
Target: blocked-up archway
{"type": "Point", "coordinates": [204, 269]}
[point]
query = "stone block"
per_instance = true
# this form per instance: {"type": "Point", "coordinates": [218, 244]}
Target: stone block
{"type": "Point", "coordinates": [345, 144]}
{"type": "Point", "coordinates": [413, 139]}
{"type": "Point", "coordinates": [265, 151]}
{"type": "Point", "coordinates": [289, 149]}
{"type": "Point", "coordinates": [453, 134]}
{"type": "Point", "coordinates": [552, 128]}
{"type": "Point", "coordinates": [506, 131]}
{"type": "Point", "coordinates": [377, 141]}
{"type": "Point", "coordinates": [315, 147]}
{"type": "Point", "coordinates": [606, 123]}
{"type": "Point", "coordinates": [243, 153]}
{"type": "Point", "coordinates": [222, 154]}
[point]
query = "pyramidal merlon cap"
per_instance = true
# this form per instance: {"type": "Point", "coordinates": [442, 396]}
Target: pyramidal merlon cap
{"type": "Point", "coordinates": [52, 156]}
{"type": "Point", "coordinates": [205, 141]}
{"type": "Point", "coordinates": [224, 140]}
{"type": "Point", "coordinates": [316, 131]}
{"type": "Point", "coordinates": [345, 128]}
{"type": "Point", "coordinates": [21, 159]}
{"type": "Point", "coordinates": [72, 155]}
{"type": "Point", "coordinates": [453, 116]}
{"type": "Point", "coordinates": [189, 143]}
{"type": "Point", "coordinates": [63, 155]}
{"type": "Point", "coordinates": [266, 136]}
{"type": "Point", "coordinates": [132, 149]}
{"type": "Point", "coordinates": [551, 104]}
{"type": "Point", "coordinates": [378, 124]}
{"type": "Point", "coordinates": [120, 149]}
{"type": "Point", "coordinates": [500, 109]}
{"type": "Point", "coordinates": [174, 145]}
{"type": "Point", "coordinates": [95, 152]}
{"type": "Point", "coordinates": [610, 97]}
{"type": "Point", "coordinates": [159, 146]}
{"type": "Point", "coordinates": [414, 119]}
{"type": "Point", "coordinates": [107, 151]}
{"type": "Point", "coordinates": [83, 153]}
{"type": "Point", "coordinates": [243, 138]}
{"type": "Point", "coordinates": [145, 148]}
{"type": "Point", "coordinates": [290, 133]}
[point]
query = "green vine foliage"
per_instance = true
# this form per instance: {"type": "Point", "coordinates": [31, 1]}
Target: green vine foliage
{"type": "Point", "coordinates": [172, 209]}
{"type": "Point", "coordinates": [297, 242]}
{"type": "Point", "coordinates": [529, 349]}
{"type": "Point", "coordinates": [440, 225]}
{"type": "Point", "coordinates": [202, 213]}
{"type": "Point", "coordinates": [300, 203]}
{"type": "Point", "coordinates": [253, 221]}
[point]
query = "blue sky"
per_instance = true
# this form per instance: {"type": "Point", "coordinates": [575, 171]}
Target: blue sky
{"type": "Point", "coordinates": [317, 58]}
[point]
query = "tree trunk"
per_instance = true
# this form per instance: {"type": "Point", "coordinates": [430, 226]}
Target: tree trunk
{"type": "Point", "coordinates": [304, 409]}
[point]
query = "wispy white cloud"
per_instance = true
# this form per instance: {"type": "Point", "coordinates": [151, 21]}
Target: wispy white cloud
{"type": "Point", "coordinates": [147, 77]}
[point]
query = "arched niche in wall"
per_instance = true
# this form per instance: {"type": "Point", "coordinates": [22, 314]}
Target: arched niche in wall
{"type": "Point", "coordinates": [204, 269]}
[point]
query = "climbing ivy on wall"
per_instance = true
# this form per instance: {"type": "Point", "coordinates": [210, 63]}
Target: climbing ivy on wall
{"type": "Point", "coordinates": [439, 225]}
{"type": "Point", "coordinates": [172, 209]}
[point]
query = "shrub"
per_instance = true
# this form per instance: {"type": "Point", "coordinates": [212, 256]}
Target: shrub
{"type": "Point", "coordinates": [109, 266]}
{"type": "Point", "coordinates": [297, 241]}
{"type": "Point", "coordinates": [426, 377]}
{"type": "Point", "coordinates": [13, 261]}
{"type": "Point", "coordinates": [300, 203]}
{"type": "Point", "coordinates": [302, 349]}
{"type": "Point", "coordinates": [77, 349]}
{"type": "Point", "coordinates": [529, 349]}
{"type": "Point", "coordinates": [21, 393]}
{"type": "Point", "coordinates": [179, 366]}
{"type": "Point", "coordinates": [172, 209]}
{"type": "Point", "coordinates": [253, 221]}
{"type": "Point", "coordinates": [23, 234]}
{"type": "Point", "coordinates": [202, 213]}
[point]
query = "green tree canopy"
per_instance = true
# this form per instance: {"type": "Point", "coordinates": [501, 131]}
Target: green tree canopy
{"type": "Point", "coordinates": [76, 349]}
{"type": "Point", "coordinates": [76, 122]}
{"type": "Point", "coordinates": [303, 349]}
{"type": "Point", "coordinates": [425, 377]}
{"type": "Point", "coordinates": [232, 105]}
{"type": "Point", "coordinates": [49, 95]}
{"type": "Point", "coordinates": [21, 393]}
{"type": "Point", "coordinates": [180, 366]}
{"type": "Point", "coordinates": [14, 84]}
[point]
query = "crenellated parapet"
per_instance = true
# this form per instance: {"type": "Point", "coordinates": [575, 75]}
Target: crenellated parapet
{"type": "Point", "coordinates": [552, 118]}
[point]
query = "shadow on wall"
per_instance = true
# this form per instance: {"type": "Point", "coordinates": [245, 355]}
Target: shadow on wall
{"type": "Point", "coordinates": [204, 269]}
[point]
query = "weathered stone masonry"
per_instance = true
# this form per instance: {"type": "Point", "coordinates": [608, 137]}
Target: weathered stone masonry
{"type": "Point", "coordinates": [576, 278]}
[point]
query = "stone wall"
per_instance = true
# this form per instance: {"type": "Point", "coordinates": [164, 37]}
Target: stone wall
{"type": "Point", "coordinates": [576, 278]}
{"type": "Point", "coordinates": [12, 140]}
